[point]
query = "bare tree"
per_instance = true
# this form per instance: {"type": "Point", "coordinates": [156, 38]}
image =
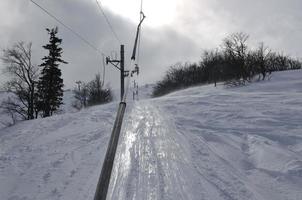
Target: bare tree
{"type": "Point", "coordinates": [11, 109]}
{"type": "Point", "coordinates": [236, 44]}
{"type": "Point", "coordinates": [81, 95]}
{"type": "Point", "coordinates": [236, 50]}
{"type": "Point", "coordinates": [262, 55]}
{"type": "Point", "coordinates": [23, 78]}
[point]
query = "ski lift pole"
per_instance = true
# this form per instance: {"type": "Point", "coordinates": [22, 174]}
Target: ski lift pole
{"type": "Point", "coordinates": [122, 72]}
{"type": "Point", "coordinates": [121, 67]}
{"type": "Point", "coordinates": [104, 179]}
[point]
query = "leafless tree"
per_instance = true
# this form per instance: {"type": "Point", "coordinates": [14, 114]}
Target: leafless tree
{"type": "Point", "coordinates": [81, 95]}
{"type": "Point", "coordinates": [23, 76]}
{"type": "Point", "coordinates": [261, 57]}
{"type": "Point", "coordinates": [236, 51]}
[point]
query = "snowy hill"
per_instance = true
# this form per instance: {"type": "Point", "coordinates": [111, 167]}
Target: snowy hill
{"type": "Point", "coordinates": [199, 143]}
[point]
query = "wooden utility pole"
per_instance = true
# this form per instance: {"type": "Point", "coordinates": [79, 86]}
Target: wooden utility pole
{"type": "Point", "coordinates": [124, 73]}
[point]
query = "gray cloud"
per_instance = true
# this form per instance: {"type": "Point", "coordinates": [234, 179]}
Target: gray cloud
{"type": "Point", "coordinates": [199, 25]}
{"type": "Point", "coordinates": [276, 22]}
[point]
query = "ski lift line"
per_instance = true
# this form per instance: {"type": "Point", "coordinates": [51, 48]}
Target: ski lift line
{"type": "Point", "coordinates": [104, 179]}
{"type": "Point", "coordinates": [127, 90]}
{"type": "Point", "coordinates": [137, 34]}
{"type": "Point", "coordinates": [127, 85]}
{"type": "Point", "coordinates": [141, 5]}
{"type": "Point", "coordinates": [141, 16]}
{"type": "Point", "coordinates": [138, 48]}
{"type": "Point", "coordinates": [68, 28]}
{"type": "Point", "coordinates": [107, 20]}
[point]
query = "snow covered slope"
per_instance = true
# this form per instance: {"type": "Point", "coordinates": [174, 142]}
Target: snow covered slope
{"type": "Point", "coordinates": [199, 143]}
{"type": "Point", "coordinates": [215, 143]}
{"type": "Point", "coordinates": [55, 158]}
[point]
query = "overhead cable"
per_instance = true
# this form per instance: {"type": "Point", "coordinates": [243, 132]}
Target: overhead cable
{"type": "Point", "coordinates": [107, 20]}
{"type": "Point", "coordinates": [68, 27]}
{"type": "Point", "coordinates": [139, 36]}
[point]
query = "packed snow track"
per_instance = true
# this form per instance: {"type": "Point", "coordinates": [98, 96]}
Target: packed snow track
{"type": "Point", "coordinates": [150, 161]}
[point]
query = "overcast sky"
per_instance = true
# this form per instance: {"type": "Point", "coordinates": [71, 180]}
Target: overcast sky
{"type": "Point", "coordinates": [174, 31]}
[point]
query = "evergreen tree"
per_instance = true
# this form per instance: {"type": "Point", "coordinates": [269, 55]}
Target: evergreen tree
{"type": "Point", "coordinates": [50, 86]}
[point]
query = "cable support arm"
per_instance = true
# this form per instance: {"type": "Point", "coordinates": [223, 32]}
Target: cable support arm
{"type": "Point", "coordinates": [115, 63]}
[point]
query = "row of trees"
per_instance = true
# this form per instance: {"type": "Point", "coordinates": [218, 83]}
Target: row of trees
{"type": "Point", "coordinates": [38, 90]}
{"type": "Point", "coordinates": [33, 89]}
{"type": "Point", "coordinates": [233, 63]}
{"type": "Point", "coordinates": [91, 93]}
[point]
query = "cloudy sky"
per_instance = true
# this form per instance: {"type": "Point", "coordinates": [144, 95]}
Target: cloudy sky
{"type": "Point", "coordinates": [174, 31]}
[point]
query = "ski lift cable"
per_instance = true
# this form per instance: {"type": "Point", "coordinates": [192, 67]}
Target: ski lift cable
{"type": "Point", "coordinates": [139, 43]}
{"type": "Point", "coordinates": [68, 28]}
{"type": "Point", "coordinates": [141, 6]}
{"type": "Point", "coordinates": [124, 99]}
{"type": "Point", "coordinates": [108, 21]}
{"type": "Point", "coordinates": [104, 179]}
{"type": "Point", "coordinates": [135, 50]}
{"type": "Point", "coordinates": [139, 35]}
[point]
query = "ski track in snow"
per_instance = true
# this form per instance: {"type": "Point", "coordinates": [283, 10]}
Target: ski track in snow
{"type": "Point", "coordinates": [150, 160]}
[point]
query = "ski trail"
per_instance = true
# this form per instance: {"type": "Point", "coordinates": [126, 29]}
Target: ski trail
{"type": "Point", "coordinates": [149, 159]}
{"type": "Point", "coordinates": [156, 161]}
